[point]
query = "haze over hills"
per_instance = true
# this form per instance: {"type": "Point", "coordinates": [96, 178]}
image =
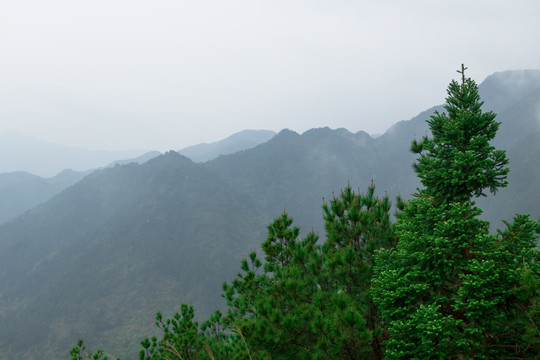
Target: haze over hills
{"type": "Point", "coordinates": [21, 190]}
{"type": "Point", "coordinates": [38, 157]}
{"type": "Point", "coordinates": [242, 140]}
{"type": "Point", "coordinates": [294, 172]}
{"type": "Point", "coordinates": [99, 259]}
{"type": "Point", "coordinates": [20, 152]}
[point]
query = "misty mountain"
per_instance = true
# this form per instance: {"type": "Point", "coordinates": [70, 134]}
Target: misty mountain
{"type": "Point", "coordinates": [103, 256]}
{"type": "Point", "coordinates": [99, 259]}
{"type": "Point", "coordinates": [294, 172]}
{"type": "Point", "coordinates": [239, 141]}
{"type": "Point", "coordinates": [502, 90]}
{"type": "Point", "coordinates": [21, 191]}
{"type": "Point", "coordinates": [139, 159]}
{"type": "Point", "coordinates": [520, 137]}
{"type": "Point", "coordinates": [24, 153]}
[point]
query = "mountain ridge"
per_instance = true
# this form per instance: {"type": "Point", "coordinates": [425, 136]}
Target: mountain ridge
{"type": "Point", "coordinates": [242, 140]}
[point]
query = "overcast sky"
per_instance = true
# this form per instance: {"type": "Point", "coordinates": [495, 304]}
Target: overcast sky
{"type": "Point", "coordinates": [165, 74]}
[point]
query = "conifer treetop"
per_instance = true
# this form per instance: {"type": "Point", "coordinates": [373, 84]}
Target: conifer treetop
{"type": "Point", "coordinates": [462, 72]}
{"type": "Point", "coordinates": [457, 162]}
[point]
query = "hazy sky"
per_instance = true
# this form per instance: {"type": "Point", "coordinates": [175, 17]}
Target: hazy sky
{"type": "Point", "coordinates": [166, 74]}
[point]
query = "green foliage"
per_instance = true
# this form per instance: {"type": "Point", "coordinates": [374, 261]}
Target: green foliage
{"type": "Point", "coordinates": [458, 162]}
{"type": "Point", "coordinates": [79, 352]}
{"type": "Point", "coordinates": [305, 301]}
{"type": "Point", "coordinates": [312, 301]}
{"type": "Point", "coordinates": [181, 337]}
{"type": "Point", "coordinates": [449, 289]}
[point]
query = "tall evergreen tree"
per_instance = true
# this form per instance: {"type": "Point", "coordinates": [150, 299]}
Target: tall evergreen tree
{"type": "Point", "coordinates": [457, 162]}
{"type": "Point", "coordinates": [450, 289]}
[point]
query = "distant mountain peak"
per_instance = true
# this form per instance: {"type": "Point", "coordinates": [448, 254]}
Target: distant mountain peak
{"type": "Point", "coordinates": [503, 89]}
{"type": "Point", "coordinates": [287, 132]}
{"type": "Point", "coordinates": [341, 133]}
{"type": "Point", "coordinates": [319, 130]}
{"type": "Point", "coordinates": [243, 140]}
{"type": "Point", "coordinates": [170, 157]}
{"type": "Point", "coordinates": [510, 77]}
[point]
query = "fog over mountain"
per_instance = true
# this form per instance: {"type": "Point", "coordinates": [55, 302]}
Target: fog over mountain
{"type": "Point", "coordinates": [242, 140]}
{"type": "Point", "coordinates": [101, 257]}
{"type": "Point", "coordinates": [21, 190]}
{"type": "Point", "coordinates": [25, 153]}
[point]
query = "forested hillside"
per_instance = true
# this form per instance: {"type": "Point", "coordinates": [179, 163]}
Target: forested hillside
{"type": "Point", "coordinates": [100, 259]}
{"type": "Point", "coordinates": [107, 253]}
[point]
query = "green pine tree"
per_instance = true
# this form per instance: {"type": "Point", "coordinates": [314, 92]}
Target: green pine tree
{"type": "Point", "coordinates": [450, 289]}
{"type": "Point", "coordinates": [312, 301]}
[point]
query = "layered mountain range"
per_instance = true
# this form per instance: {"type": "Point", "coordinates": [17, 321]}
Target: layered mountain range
{"type": "Point", "coordinates": [99, 259]}
{"type": "Point", "coordinates": [21, 189]}
{"type": "Point", "coordinates": [20, 152]}
{"type": "Point", "coordinates": [243, 140]}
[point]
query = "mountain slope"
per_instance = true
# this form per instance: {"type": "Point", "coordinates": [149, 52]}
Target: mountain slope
{"type": "Point", "coordinates": [107, 253]}
{"type": "Point", "coordinates": [21, 191]}
{"type": "Point", "coordinates": [242, 140]}
{"type": "Point", "coordinates": [294, 172]}
{"type": "Point", "coordinates": [502, 90]}
{"type": "Point", "coordinates": [520, 136]}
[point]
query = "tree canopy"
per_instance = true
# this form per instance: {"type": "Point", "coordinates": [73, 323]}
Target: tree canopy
{"type": "Point", "coordinates": [449, 288]}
